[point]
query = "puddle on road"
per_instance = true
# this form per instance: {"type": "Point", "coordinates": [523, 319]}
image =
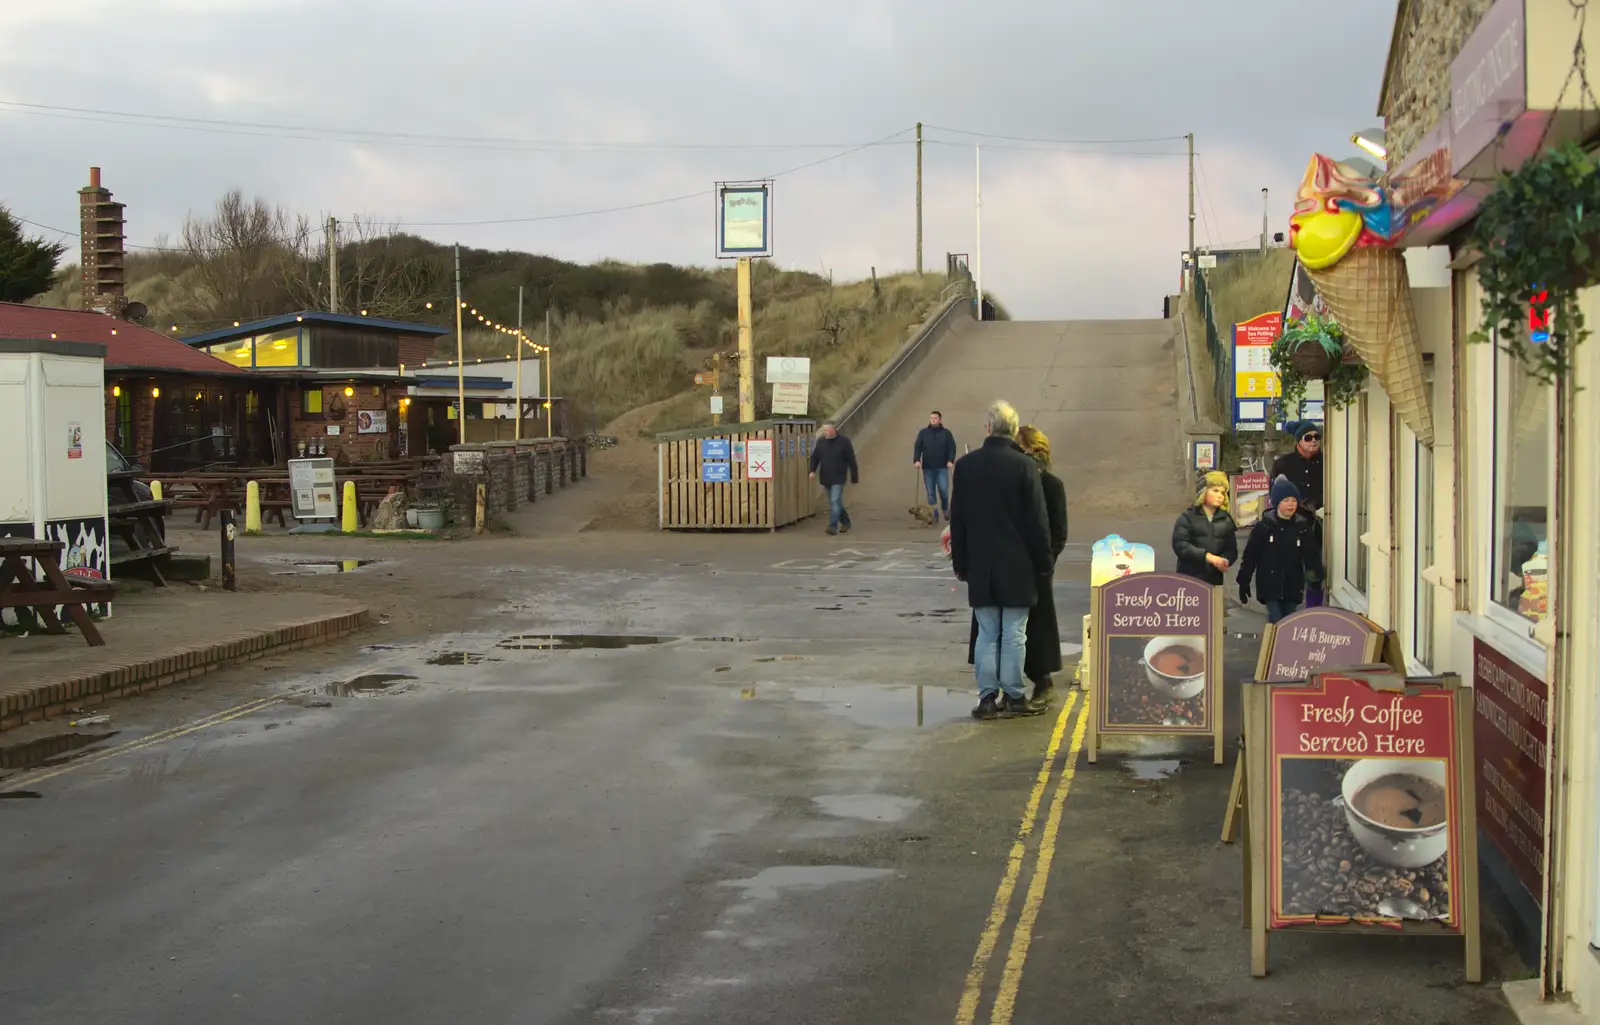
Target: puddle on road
{"type": "Point", "coordinates": [1152, 769]}
{"type": "Point", "coordinates": [930, 612]}
{"type": "Point", "coordinates": [372, 683]}
{"type": "Point", "coordinates": [322, 567]}
{"type": "Point", "coordinates": [48, 751]}
{"type": "Point", "coordinates": [577, 642]}
{"type": "Point", "coordinates": [867, 807]}
{"type": "Point", "coordinates": [769, 883]}
{"type": "Point", "coordinates": [461, 658]}
{"type": "Point", "coordinates": [6, 794]}
{"type": "Point", "coordinates": [724, 640]}
{"type": "Point", "coordinates": [893, 707]}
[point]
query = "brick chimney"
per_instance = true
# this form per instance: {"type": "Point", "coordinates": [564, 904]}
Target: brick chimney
{"type": "Point", "coordinates": [100, 225]}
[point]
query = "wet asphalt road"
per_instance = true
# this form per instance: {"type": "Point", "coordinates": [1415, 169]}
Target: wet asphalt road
{"type": "Point", "coordinates": [768, 807]}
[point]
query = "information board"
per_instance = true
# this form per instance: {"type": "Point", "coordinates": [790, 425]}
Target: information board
{"type": "Point", "coordinates": [312, 493]}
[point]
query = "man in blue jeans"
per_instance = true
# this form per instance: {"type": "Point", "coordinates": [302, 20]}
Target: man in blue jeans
{"type": "Point", "coordinates": [935, 455]}
{"type": "Point", "coordinates": [1000, 547]}
{"type": "Point", "coordinates": [833, 458]}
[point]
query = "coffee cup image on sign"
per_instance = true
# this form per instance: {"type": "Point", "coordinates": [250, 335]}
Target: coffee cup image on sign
{"type": "Point", "coordinates": [1156, 680]}
{"type": "Point", "coordinates": [1367, 837]}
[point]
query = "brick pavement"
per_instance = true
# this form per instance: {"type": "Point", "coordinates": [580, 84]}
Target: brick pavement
{"type": "Point", "coordinates": [156, 638]}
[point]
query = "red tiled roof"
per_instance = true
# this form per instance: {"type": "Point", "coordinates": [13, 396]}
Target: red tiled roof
{"type": "Point", "coordinates": [128, 346]}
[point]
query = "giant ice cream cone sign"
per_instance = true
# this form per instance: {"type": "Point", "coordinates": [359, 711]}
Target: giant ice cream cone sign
{"type": "Point", "coordinates": [1343, 230]}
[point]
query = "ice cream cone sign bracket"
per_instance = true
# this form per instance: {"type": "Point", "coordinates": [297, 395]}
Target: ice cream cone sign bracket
{"type": "Point", "coordinates": [1344, 231]}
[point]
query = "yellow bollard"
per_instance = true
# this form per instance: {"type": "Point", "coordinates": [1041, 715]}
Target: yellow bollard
{"type": "Point", "coordinates": [155, 490]}
{"type": "Point", "coordinates": [351, 521]}
{"type": "Point", "coordinates": [252, 507]}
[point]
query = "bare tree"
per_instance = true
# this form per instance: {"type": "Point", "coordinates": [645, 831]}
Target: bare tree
{"type": "Point", "coordinates": [381, 270]}
{"type": "Point", "coordinates": [238, 251]}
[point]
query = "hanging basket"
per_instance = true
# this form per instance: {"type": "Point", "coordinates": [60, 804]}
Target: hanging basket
{"type": "Point", "coordinates": [1311, 361]}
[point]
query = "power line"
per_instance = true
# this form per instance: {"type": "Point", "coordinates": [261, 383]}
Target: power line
{"type": "Point", "coordinates": [263, 129]}
{"type": "Point", "coordinates": [1205, 191]}
{"type": "Point", "coordinates": [1066, 142]}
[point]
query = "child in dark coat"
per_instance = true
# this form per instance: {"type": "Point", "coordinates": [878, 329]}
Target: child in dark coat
{"type": "Point", "coordinates": [1280, 554]}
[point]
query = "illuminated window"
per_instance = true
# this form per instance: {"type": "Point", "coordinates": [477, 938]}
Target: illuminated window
{"type": "Point", "coordinates": [311, 402]}
{"type": "Point", "coordinates": [237, 352]}
{"type": "Point", "coordinates": [278, 349]}
{"type": "Point", "coordinates": [1522, 475]}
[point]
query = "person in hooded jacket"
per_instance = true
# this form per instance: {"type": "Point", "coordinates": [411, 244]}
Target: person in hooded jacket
{"type": "Point", "coordinates": [1280, 555]}
{"type": "Point", "coordinates": [1205, 539]}
{"type": "Point", "coordinates": [1303, 466]}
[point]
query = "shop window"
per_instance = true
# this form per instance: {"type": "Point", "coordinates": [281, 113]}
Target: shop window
{"type": "Point", "coordinates": [311, 404]}
{"type": "Point", "coordinates": [1357, 467]}
{"type": "Point", "coordinates": [278, 349]}
{"type": "Point", "coordinates": [1522, 474]}
{"type": "Point", "coordinates": [124, 439]}
{"type": "Point", "coordinates": [238, 352]}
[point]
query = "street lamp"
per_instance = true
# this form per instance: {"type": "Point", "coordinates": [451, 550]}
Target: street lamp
{"type": "Point", "coordinates": [1372, 140]}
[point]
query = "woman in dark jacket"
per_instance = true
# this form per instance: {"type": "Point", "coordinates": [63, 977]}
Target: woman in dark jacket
{"type": "Point", "coordinates": [1281, 555]}
{"type": "Point", "coordinates": [1205, 539]}
{"type": "Point", "coordinates": [1043, 655]}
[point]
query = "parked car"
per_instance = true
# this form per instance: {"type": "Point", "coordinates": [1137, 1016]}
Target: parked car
{"type": "Point", "coordinates": [116, 462]}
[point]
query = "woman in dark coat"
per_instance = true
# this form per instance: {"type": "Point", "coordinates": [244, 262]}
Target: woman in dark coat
{"type": "Point", "coordinates": [1205, 538]}
{"type": "Point", "coordinates": [1044, 631]}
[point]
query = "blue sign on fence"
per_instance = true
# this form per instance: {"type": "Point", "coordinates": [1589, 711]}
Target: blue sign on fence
{"type": "Point", "coordinates": [716, 473]}
{"type": "Point", "coordinates": [714, 448]}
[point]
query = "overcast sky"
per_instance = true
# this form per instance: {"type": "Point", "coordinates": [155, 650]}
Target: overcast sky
{"type": "Point", "coordinates": [629, 95]}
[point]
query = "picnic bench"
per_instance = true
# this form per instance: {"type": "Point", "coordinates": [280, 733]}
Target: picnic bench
{"type": "Point", "coordinates": [20, 589]}
{"type": "Point", "coordinates": [208, 494]}
{"type": "Point", "coordinates": [139, 523]}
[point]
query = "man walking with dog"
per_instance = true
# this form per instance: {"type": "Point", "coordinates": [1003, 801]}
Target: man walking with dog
{"type": "Point", "coordinates": [1000, 547]}
{"type": "Point", "coordinates": [935, 455]}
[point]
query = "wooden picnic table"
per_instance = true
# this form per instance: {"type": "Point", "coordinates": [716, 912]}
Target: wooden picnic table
{"type": "Point", "coordinates": [19, 589]}
{"type": "Point", "coordinates": [140, 524]}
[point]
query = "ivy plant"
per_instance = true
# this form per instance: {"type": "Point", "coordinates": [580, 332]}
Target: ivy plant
{"type": "Point", "coordinates": [1344, 381]}
{"type": "Point", "coordinates": [1539, 232]}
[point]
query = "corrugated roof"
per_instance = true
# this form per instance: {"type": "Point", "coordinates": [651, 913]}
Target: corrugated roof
{"type": "Point", "coordinates": [255, 327]}
{"type": "Point", "coordinates": [128, 346]}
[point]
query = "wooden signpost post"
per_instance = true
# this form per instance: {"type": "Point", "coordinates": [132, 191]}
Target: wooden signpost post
{"type": "Point", "coordinates": [1156, 668]}
{"type": "Point", "coordinates": [1360, 811]}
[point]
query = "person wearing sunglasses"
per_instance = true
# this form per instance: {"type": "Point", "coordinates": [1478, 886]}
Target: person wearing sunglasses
{"type": "Point", "coordinates": [1302, 465]}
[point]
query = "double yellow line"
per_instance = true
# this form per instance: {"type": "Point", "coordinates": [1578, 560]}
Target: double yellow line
{"type": "Point", "coordinates": [158, 737]}
{"type": "Point", "coordinates": [1005, 1001]}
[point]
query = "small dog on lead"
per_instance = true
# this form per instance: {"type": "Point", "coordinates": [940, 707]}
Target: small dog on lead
{"type": "Point", "coordinates": [927, 515]}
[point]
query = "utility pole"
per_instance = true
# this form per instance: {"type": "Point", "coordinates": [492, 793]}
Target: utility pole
{"type": "Point", "coordinates": [919, 199]}
{"type": "Point", "coordinates": [549, 396]}
{"type": "Point", "coordinates": [518, 434]}
{"type": "Point", "coordinates": [333, 265]}
{"type": "Point", "coordinates": [461, 369]}
{"type": "Point", "coordinates": [1194, 257]}
{"type": "Point", "coordinates": [1263, 222]}
{"type": "Point", "coordinates": [977, 249]}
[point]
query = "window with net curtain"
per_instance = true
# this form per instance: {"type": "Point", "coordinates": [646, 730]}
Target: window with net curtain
{"type": "Point", "coordinates": [1523, 465]}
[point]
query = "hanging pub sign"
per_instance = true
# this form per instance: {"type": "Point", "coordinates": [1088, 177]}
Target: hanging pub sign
{"type": "Point", "coordinates": [1361, 816]}
{"type": "Point", "coordinates": [1157, 658]}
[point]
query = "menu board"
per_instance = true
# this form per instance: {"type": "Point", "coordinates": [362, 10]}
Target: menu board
{"type": "Point", "coordinates": [1316, 640]}
{"type": "Point", "coordinates": [1157, 659]}
{"type": "Point", "coordinates": [1511, 733]}
{"type": "Point", "coordinates": [1361, 784]}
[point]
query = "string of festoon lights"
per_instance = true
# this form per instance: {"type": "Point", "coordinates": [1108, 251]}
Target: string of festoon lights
{"type": "Point", "coordinates": [516, 333]}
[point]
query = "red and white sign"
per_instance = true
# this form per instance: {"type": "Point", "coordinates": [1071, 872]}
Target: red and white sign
{"type": "Point", "coordinates": [758, 459]}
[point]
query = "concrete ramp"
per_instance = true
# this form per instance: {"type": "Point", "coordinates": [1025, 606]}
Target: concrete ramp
{"type": "Point", "coordinates": [1104, 391]}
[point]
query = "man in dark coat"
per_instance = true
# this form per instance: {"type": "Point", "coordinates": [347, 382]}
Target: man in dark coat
{"type": "Point", "coordinates": [1303, 467]}
{"type": "Point", "coordinates": [1000, 547]}
{"type": "Point", "coordinates": [832, 460]}
{"type": "Point", "coordinates": [935, 455]}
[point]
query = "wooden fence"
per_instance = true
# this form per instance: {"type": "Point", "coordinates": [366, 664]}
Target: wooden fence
{"type": "Point", "coordinates": [731, 499]}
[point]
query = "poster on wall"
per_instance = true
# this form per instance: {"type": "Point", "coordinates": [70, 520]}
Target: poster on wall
{"type": "Point", "coordinates": [1248, 497]}
{"type": "Point", "coordinates": [372, 421]}
{"type": "Point", "coordinates": [1510, 737]}
{"type": "Point", "coordinates": [74, 440]}
{"type": "Point", "coordinates": [1157, 658]}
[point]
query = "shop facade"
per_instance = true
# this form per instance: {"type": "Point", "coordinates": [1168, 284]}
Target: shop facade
{"type": "Point", "coordinates": [1482, 551]}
